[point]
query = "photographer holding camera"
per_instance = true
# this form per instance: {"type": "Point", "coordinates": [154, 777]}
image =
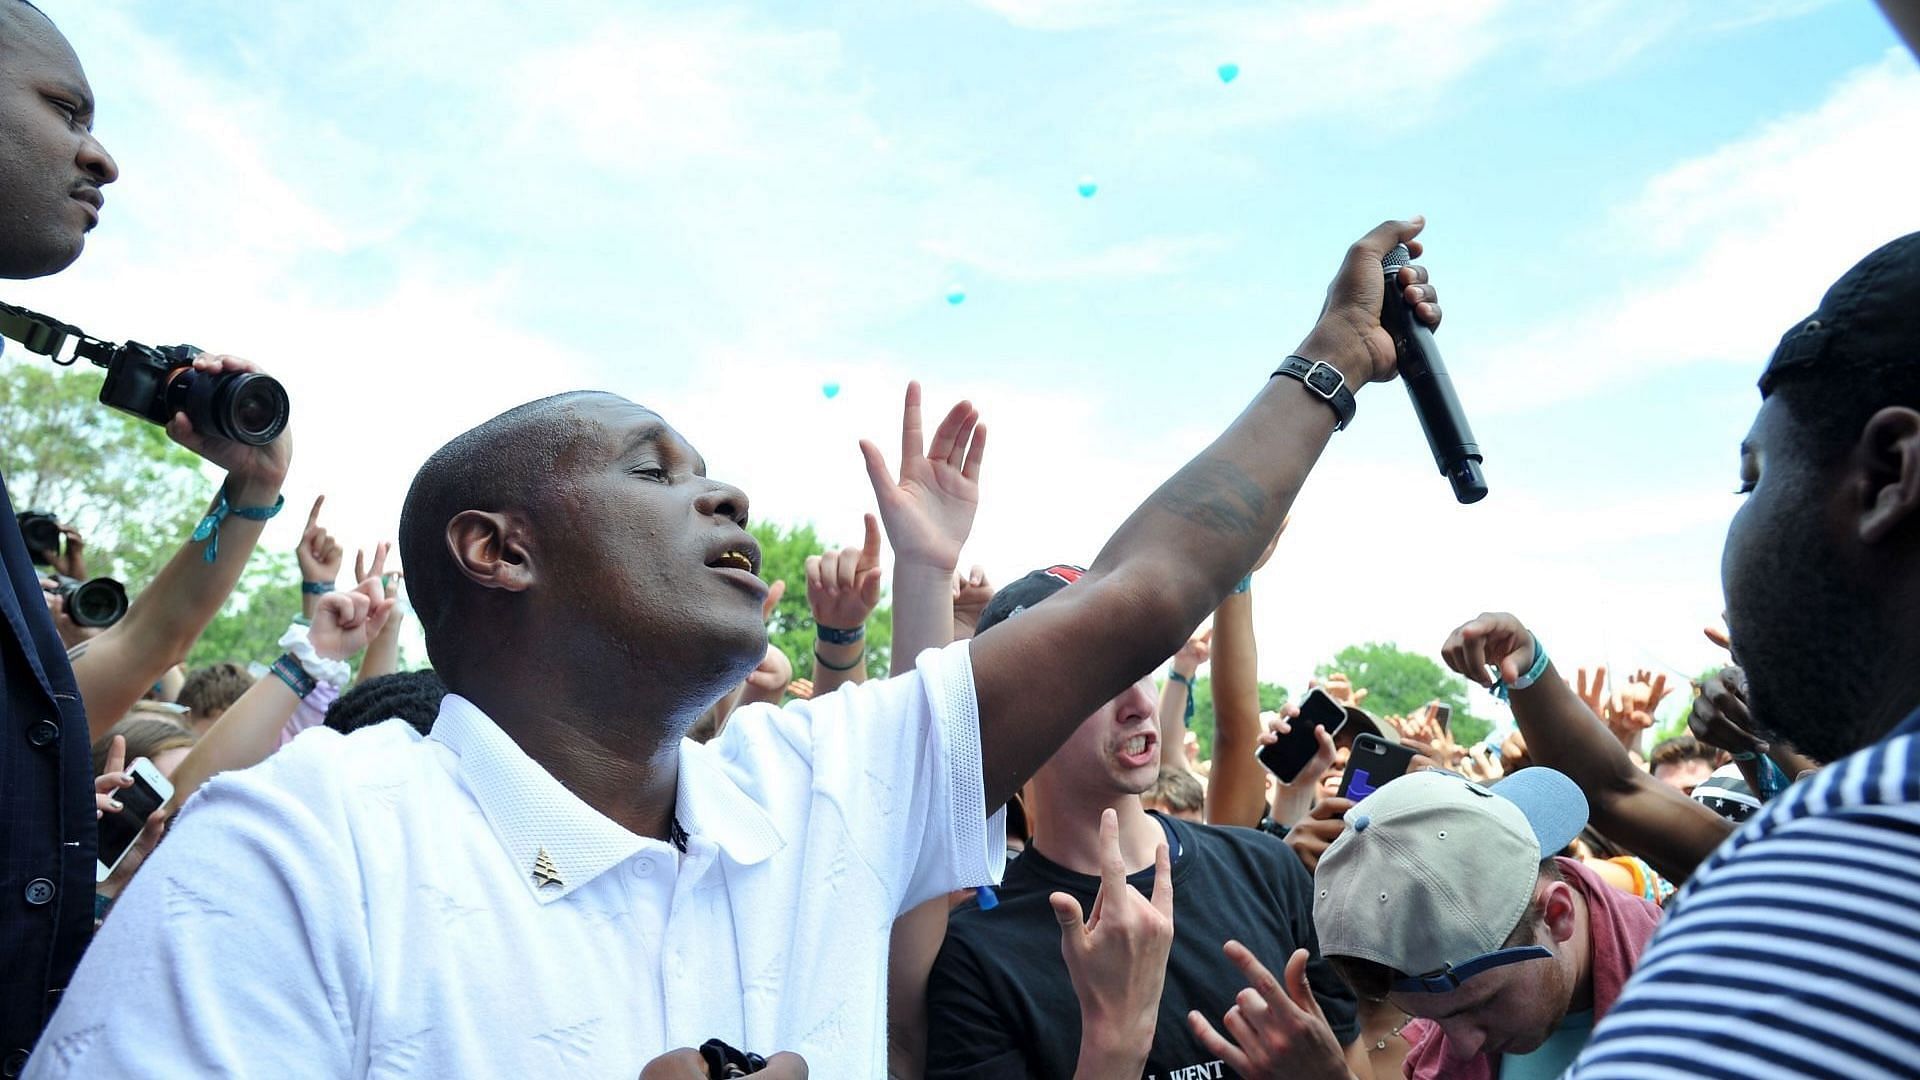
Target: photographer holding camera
{"type": "Point", "coordinates": [51, 172]}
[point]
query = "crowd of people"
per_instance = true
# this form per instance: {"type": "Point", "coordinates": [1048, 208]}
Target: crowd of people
{"type": "Point", "coordinates": [609, 833]}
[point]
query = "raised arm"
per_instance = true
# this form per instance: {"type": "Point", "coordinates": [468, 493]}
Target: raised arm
{"type": "Point", "coordinates": [1651, 819]}
{"type": "Point", "coordinates": [1237, 786]}
{"type": "Point", "coordinates": [320, 557]}
{"type": "Point", "coordinates": [1176, 699]}
{"type": "Point", "coordinates": [929, 514]}
{"type": "Point", "coordinates": [1181, 552]}
{"type": "Point", "coordinates": [169, 614]}
{"type": "Point", "coordinates": [843, 588]}
{"type": "Point", "coordinates": [249, 731]}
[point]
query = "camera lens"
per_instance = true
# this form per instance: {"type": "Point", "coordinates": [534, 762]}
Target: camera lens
{"type": "Point", "coordinates": [100, 602]}
{"type": "Point", "coordinates": [41, 533]}
{"type": "Point", "coordinates": [252, 408]}
{"type": "Point", "coordinates": [240, 405]}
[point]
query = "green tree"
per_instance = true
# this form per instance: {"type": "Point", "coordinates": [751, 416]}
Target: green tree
{"type": "Point", "coordinates": [134, 494]}
{"type": "Point", "coordinates": [1398, 683]}
{"type": "Point", "coordinates": [783, 557]}
{"type": "Point", "coordinates": [1272, 697]}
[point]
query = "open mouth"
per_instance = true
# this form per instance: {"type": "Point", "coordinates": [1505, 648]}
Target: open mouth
{"type": "Point", "coordinates": [736, 560]}
{"type": "Point", "coordinates": [1138, 750]}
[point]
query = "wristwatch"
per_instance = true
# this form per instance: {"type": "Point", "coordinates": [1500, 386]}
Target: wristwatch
{"type": "Point", "coordinates": [1325, 382]}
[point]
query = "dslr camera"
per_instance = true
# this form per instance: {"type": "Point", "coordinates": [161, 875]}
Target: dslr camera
{"type": "Point", "coordinates": [100, 601]}
{"type": "Point", "coordinates": [153, 384]}
{"type": "Point", "coordinates": [41, 531]}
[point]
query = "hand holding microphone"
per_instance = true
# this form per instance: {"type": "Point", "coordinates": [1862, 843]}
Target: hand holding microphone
{"type": "Point", "coordinates": [1454, 449]}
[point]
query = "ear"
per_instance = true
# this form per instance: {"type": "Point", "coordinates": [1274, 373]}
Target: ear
{"type": "Point", "coordinates": [1889, 458]}
{"type": "Point", "coordinates": [491, 550]}
{"type": "Point", "coordinates": [1557, 908]}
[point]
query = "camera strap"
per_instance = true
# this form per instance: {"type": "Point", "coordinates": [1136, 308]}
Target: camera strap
{"type": "Point", "coordinates": [46, 335]}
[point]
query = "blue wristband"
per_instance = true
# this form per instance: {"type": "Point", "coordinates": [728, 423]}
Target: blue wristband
{"type": "Point", "coordinates": [316, 588]}
{"type": "Point", "coordinates": [294, 675]}
{"type": "Point", "coordinates": [1245, 584]}
{"type": "Point", "coordinates": [1502, 688]}
{"type": "Point", "coordinates": [209, 527]}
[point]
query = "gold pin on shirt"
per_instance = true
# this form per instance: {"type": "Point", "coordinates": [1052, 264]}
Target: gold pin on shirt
{"type": "Point", "coordinates": [544, 872]}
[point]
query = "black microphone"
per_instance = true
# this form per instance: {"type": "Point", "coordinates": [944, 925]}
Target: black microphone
{"type": "Point", "coordinates": [1448, 435]}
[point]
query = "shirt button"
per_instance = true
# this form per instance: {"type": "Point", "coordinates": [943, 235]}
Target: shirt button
{"type": "Point", "coordinates": [15, 1064]}
{"type": "Point", "coordinates": [643, 867]}
{"type": "Point", "coordinates": [39, 891]}
{"type": "Point", "coordinates": [43, 732]}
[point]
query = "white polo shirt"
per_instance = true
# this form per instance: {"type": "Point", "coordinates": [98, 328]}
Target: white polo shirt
{"type": "Point", "coordinates": [385, 905]}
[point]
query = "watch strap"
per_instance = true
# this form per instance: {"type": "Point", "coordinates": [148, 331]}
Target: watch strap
{"type": "Point", "coordinates": [1325, 382]}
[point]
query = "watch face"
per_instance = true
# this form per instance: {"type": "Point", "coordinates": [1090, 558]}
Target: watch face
{"type": "Point", "coordinates": [1325, 379]}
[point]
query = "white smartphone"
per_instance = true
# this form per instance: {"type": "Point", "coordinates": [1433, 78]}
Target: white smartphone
{"type": "Point", "coordinates": [139, 801]}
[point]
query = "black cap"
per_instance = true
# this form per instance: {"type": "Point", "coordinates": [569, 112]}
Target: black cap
{"type": "Point", "coordinates": [1873, 310]}
{"type": "Point", "coordinates": [1026, 592]}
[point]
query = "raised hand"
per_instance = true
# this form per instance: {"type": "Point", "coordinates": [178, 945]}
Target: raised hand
{"type": "Point", "coordinates": [1349, 326]}
{"type": "Point", "coordinates": [770, 678]}
{"type": "Point", "coordinates": [1197, 650]}
{"type": "Point", "coordinates": [254, 470]}
{"type": "Point", "coordinates": [71, 559]}
{"type": "Point", "coordinates": [1117, 958]}
{"type": "Point", "coordinates": [1720, 716]}
{"type": "Point", "coordinates": [971, 595]}
{"type": "Point", "coordinates": [929, 511]}
{"type": "Point", "coordinates": [344, 622]}
{"type": "Point", "coordinates": [1294, 798]}
{"type": "Point", "coordinates": [1275, 1030]}
{"type": "Point", "coordinates": [320, 554]}
{"type": "Point", "coordinates": [1493, 645]}
{"type": "Point", "coordinates": [843, 587]}
{"type": "Point", "coordinates": [801, 689]}
{"type": "Point", "coordinates": [1341, 689]}
{"type": "Point", "coordinates": [111, 779]}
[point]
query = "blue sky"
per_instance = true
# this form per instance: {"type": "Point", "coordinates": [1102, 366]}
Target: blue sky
{"type": "Point", "coordinates": [420, 213]}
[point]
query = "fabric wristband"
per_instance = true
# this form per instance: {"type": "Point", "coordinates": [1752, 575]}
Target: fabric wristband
{"type": "Point", "coordinates": [209, 527]}
{"type": "Point", "coordinates": [102, 903]}
{"type": "Point", "coordinates": [831, 666]}
{"type": "Point", "coordinates": [334, 673]}
{"type": "Point", "coordinates": [1245, 584]}
{"type": "Point", "coordinates": [289, 671]}
{"type": "Point", "coordinates": [835, 636]}
{"type": "Point", "coordinates": [1501, 688]}
{"type": "Point", "coordinates": [1179, 678]}
{"type": "Point", "coordinates": [316, 588]}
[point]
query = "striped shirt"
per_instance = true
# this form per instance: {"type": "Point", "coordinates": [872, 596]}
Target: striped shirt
{"type": "Point", "coordinates": [1795, 950]}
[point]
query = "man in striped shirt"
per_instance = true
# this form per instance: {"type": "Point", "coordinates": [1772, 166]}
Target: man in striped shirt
{"type": "Point", "coordinates": [1795, 950]}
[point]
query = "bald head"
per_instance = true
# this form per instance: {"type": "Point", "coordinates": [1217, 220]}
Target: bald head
{"type": "Point", "coordinates": [502, 466]}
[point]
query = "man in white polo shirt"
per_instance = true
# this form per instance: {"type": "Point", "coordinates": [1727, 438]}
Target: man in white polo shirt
{"type": "Point", "coordinates": [554, 879]}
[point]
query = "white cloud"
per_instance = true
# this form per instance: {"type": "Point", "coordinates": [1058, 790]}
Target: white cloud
{"type": "Point", "coordinates": [1750, 235]}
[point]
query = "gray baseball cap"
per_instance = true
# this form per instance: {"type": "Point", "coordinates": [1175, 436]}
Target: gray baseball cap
{"type": "Point", "coordinates": [1434, 872]}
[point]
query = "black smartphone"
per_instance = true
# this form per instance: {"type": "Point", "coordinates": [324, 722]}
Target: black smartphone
{"type": "Point", "coordinates": [1372, 763]}
{"type": "Point", "coordinates": [1443, 715]}
{"type": "Point", "coordinates": [1287, 757]}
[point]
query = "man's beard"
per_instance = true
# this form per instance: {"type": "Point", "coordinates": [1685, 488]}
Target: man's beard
{"type": "Point", "coordinates": [1813, 645]}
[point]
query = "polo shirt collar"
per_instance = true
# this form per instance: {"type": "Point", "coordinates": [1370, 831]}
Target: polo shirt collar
{"type": "Point", "coordinates": [557, 841]}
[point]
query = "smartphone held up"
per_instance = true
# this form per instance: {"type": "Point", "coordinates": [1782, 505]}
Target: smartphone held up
{"type": "Point", "coordinates": [139, 801]}
{"type": "Point", "coordinates": [1295, 747]}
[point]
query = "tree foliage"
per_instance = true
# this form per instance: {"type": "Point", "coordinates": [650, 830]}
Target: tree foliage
{"type": "Point", "coordinates": [133, 493]}
{"type": "Point", "coordinates": [783, 557]}
{"type": "Point", "coordinates": [1272, 697]}
{"type": "Point", "coordinates": [135, 496]}
{"type": "Point", "coordinates": [1399, 683]}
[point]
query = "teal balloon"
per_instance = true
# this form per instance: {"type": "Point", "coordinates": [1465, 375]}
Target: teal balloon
{"type": "Point", "coordinates": [832, 390]}
{"type": "Point", "coordinates": [956, 296]}
{"type": "Point", "coordinates": [1088, 187]}
{"type": "Point", "coordinates": [1229, 72]}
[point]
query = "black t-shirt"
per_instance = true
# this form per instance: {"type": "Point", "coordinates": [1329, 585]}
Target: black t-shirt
{"type": "Point", "coordinates": [1000, 1004]}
